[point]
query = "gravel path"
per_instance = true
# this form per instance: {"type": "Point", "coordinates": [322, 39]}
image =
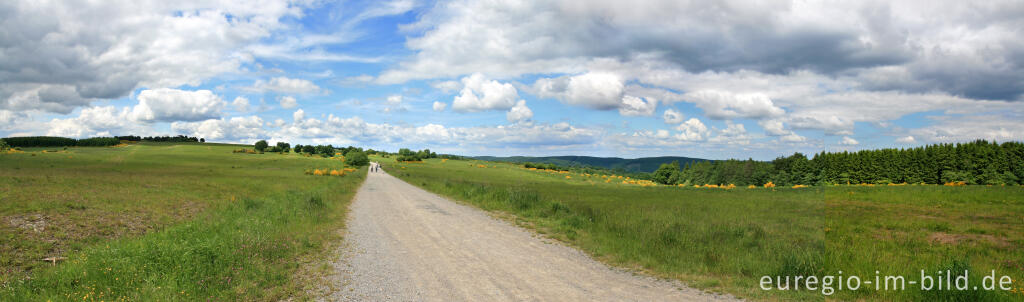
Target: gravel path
{"type": "Point", "coordinates": [406, 244]}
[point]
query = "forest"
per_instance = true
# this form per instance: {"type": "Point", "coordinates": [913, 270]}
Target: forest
{"type": "Point", "coordinates": [979, 162]}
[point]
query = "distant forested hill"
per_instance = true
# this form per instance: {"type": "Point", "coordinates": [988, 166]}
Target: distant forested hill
{"type": "Point", "coordinates": [644, 164]}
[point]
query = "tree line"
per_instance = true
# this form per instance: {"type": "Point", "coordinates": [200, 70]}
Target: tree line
{"type": "Point", "coordinates": [405, 154]}
{"type": "Point", "coordinates": [584, 169]}
{"type": "Point", "coordinates": [172, 139]}
{"type": "Point", "coordinates": [978, 162]}
{"type": "Point", "coordinates": [354, 156]}
{"type": "Point", "coordinates": [54, 141]}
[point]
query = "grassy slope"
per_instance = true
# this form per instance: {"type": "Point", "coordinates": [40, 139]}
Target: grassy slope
{"type": "Point", "coordinates": [725, 240]}
{"type": "Point", "coordinates": [164, 222]}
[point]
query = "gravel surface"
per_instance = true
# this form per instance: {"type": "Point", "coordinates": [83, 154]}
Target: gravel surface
{"type": "Point", "coordinates": [407, 244]}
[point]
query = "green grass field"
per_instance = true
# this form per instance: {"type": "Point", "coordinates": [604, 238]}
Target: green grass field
{"type": "Point", "coordinates": [165, 222]}
{"type": "Point", "coordinates": [196, 222]}
{"type": "Point", "coordinates": [726, 240]}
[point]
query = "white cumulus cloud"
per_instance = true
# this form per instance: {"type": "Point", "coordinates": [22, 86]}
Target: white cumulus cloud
{"type": "Point", "coordinates": [439, 106]}
{"type": "Point", "coordinates": [60, 55]}
{"type": "Point", "coordinates": [480, 94]}
{"type": "Point", "coordinates": [635, 106]}
{"type": "Point", "coordinates": [849, 141]}
{"type": "Point", "coordinates": [96, 121]}
{"type": "Point", "coordinates": [519, 113]}
{"type": "Point", "coordinates": [692, 130]}
{"type": "Point", "coordinates": [595, 90]}
{"type": "Point", "coordinates": [287, 102]}
{"type": "Point", "coordinates": [168, 105]}
{"type": "Point", "coordinates": [909, 139]}
{"type": "Point", "coordinates": [394, 99]}
{"type": "Point", "coordinates": [285, 85]}
{"type": "Point", "coordinates": [792, 137]}
{"type": "Point", "coordinates": [671, 116]}
{"type": "Point", "coordinates": [236, 129]}
{"type": "Point", "coordinates": [727, 105]}
{"type": "Point", "coordinates": [241, 104]}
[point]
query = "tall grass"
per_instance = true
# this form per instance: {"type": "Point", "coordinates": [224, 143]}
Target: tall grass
{"type": "Point", "coordinates": [725, 240]}
{"type": "Point", "coordinates": [905, 229]}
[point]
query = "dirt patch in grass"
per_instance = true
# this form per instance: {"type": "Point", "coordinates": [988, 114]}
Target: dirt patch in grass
{"type": "Point", "coordinates": [35, 222]}
{"type": "Point", "coordinates": [952, 239]}
{"type": "Point", "coordinates": [29, 238]}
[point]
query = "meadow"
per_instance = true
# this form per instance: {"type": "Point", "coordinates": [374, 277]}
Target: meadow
{"type": "Point", "coordinates": [166, 222]}
{"type": "Point", "coordinates": [725, 240]}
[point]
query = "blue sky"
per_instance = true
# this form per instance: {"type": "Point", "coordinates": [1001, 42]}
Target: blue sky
{"type": "Point", "coordinates": [604, 78]}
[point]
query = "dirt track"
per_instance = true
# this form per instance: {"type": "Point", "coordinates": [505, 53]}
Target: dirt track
{"type": "Point", "coordinates": [406, 244]}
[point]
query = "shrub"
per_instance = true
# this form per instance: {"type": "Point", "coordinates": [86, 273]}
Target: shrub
{"type": "Point", "coordinates": [298, 148]}
{"type": "Point", "coordinates": [950, 176]}
{"type": "Point", "coordinates": [309, 149]}
{"type": "Point", "coordinates": [283, 147]}
{"type": "Point", "coordinates": [3, 145]}
{"type": "Point", "coordinates": [1009, 179]}
{"type": "Point", "coordinates": [409, 157]}
{"type": "Point", "coordinates": [356, 159]}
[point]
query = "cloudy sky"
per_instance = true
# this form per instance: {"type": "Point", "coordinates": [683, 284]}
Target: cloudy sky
{"type": "Point", "coordinates": [728, 79]}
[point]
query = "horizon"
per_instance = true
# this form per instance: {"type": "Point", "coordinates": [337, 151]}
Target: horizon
{"type": "Point", "coordinates": [520, 79]}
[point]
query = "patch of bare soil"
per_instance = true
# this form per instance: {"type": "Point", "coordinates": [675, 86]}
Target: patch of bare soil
{"type": "Point", "coordinates": [952, 239]}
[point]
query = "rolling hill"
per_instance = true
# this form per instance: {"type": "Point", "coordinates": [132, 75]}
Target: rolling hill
{"type": "Point", "coordinates": [643, 164]}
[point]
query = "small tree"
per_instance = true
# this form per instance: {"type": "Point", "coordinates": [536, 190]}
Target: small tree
{"type": "Point", "coordinates": [356, 159]}
{"type": "Point", "coordinates": [955, 176]}
{"type": "Point", "coordinates": [3, 145]}
{"type": "Point", "coordinates": [667, 174]}
{"type": "Point", "coordinates": [309, 149]}
{"type": "Point", "coordinates": [260, 145]}
{"type": "Point", "coordinates": [202, 140]}
{"type": "Point", "coordinates": [283, 146]}
{"type": "Point", "coordinates": [298, 148]}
